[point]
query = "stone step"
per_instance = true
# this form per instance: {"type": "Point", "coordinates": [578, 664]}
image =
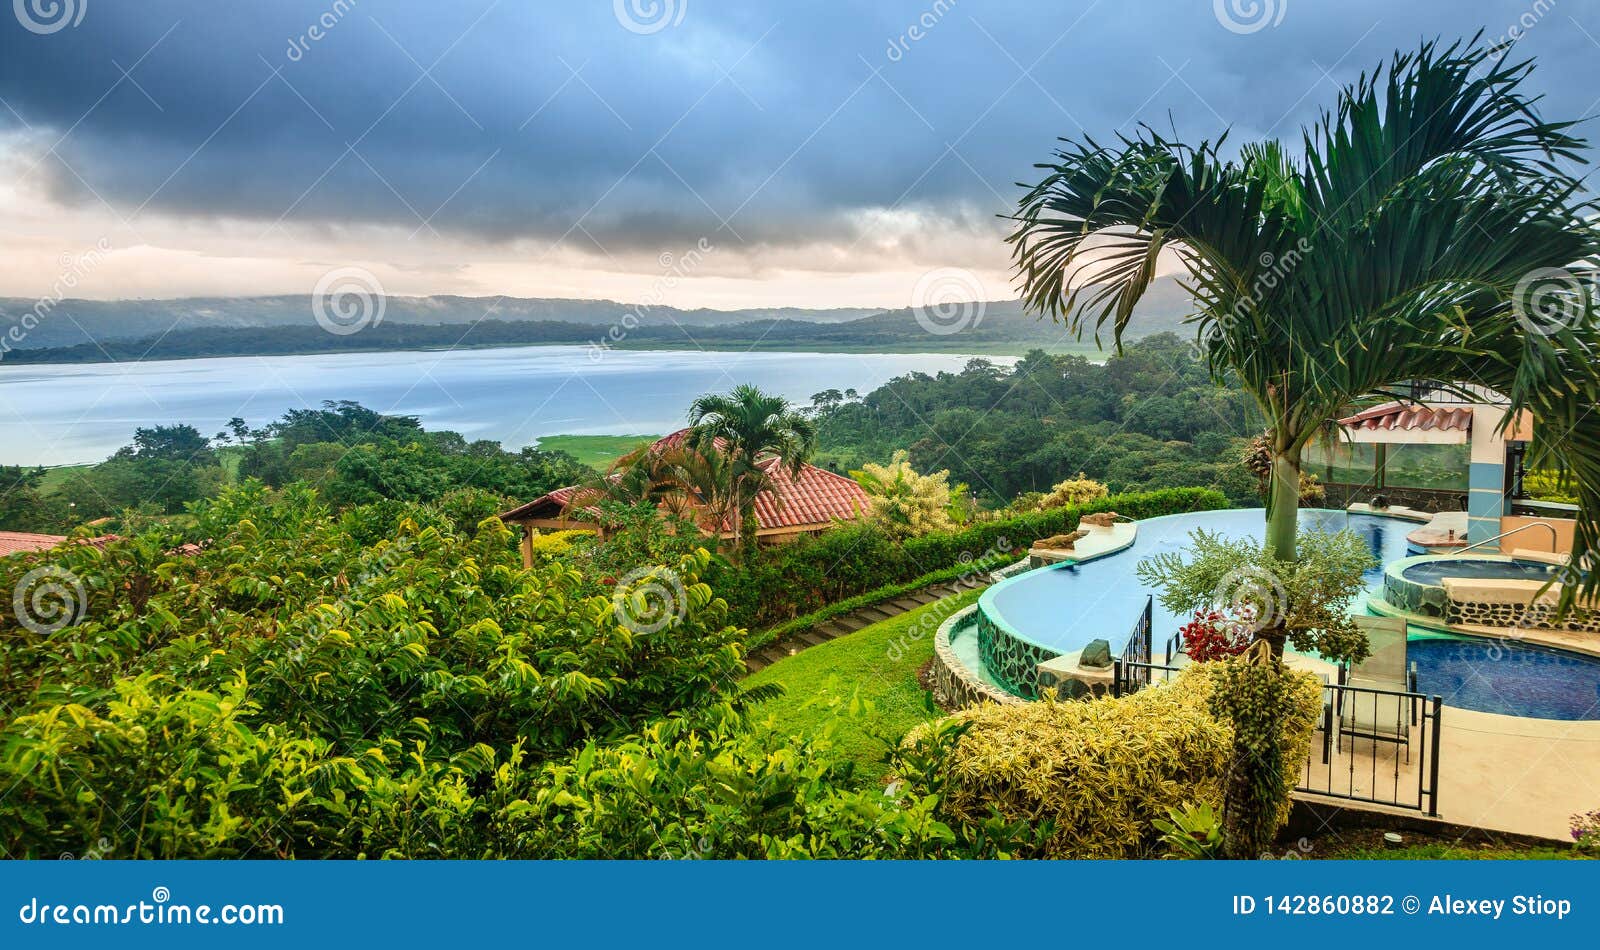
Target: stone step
{"type": "Point", "coordinates": [833, 631]}
{"type": "Point", "coordinates": [906, 603]}
{"type": "Point", "coordinates": [923, 597]}
{"type": "Point", "coordinates": [850, 622]}
{"type": "Point", "coordinates": [876, 614]}
{"type": "Point", "coordinates": [812, 638]}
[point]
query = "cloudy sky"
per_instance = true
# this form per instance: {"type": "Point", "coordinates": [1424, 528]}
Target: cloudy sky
{"type": "Point", "coordinates": [825, 153]}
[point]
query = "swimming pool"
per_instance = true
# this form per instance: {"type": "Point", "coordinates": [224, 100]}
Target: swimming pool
{"type": "Point", "coordinates": [1434, 571]}
{"type": "Point", "coordinates": [1054, 610]}
{"type": "Point", "coordinates": [1511, 679]}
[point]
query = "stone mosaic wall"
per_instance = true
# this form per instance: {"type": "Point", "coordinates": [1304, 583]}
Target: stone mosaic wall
{"type": "Point", "coordinates": [954, 686]}
{"type": "Point", "coordinates": [1528, 616]}
{"type": "Point", "coordinates": [1014, 663]}
{"type": "Point", "coordinates": [1425, 600]}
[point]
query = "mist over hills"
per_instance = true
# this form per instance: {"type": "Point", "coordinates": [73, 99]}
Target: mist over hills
{"type": "Point", "coordinates": [93, 330]}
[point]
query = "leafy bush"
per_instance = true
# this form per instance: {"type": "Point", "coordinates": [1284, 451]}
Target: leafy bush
{"type": "Point", "coordinates": [1273, 712]}
{"type": "Point", "coordinates": [1586, 831]}
{"type": "Point", "coordinates": [850, 560]}
{"type": "Point", "coordinates": [1074, 491]}
{"type": "Point", "coordinates": [1100, 771]}
{"type": "Point", "coordinates": [903, 503]}
{"type": "Point", "coordinates": [287, 688]}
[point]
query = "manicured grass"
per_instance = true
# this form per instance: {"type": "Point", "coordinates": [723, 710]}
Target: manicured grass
{"type": "Point", "coordinates": [595, 451]}
{"type": "Point", "coordinates": [874, 670]}
{"type": "Point", "coordinates": [1444, 852]}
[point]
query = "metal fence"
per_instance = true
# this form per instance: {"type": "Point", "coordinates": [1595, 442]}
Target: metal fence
{"type": "Point", "coordinates": [1371, 745]}
{"type": "Point", "coordinates": [1136, 655]}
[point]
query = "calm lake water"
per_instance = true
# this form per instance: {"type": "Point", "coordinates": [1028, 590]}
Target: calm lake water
{"type": "Point", "coordinates": [57, 415]}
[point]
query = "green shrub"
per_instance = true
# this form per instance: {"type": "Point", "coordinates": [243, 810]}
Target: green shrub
{"type": "Point", "coordinates": [1100, 771]}
{"type": "Point", "coordinates": [850, 560]}
{"type": "Point", "coordinates": [1273, 712]}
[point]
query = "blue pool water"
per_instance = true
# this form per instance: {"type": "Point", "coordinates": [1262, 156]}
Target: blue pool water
{"type": "Point", "coordinates": [1063, 607]}
{"type": "Point", "coordinates": [1432, 572]}
{"type": "Point", "coordinates": [1511, 679]}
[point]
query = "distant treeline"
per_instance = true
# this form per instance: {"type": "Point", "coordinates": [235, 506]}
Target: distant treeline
{"type": "Point", "coordinates": [890, 330]}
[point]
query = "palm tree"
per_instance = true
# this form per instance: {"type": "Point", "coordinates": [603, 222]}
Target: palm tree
{"type": "Point", "coordinates": [750, 428]}
{"type": "Point", "coordinates": [1425, 230]}
{"type": "Point", "coordinates": [680, 480]}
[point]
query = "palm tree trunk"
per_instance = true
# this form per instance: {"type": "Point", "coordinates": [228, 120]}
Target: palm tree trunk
{"type": "Point", "coordinates": [1283, 515]}
{"type": "Point", "coordinates": [1283, 506]}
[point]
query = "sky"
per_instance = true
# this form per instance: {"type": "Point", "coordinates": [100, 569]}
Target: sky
{"type": "Point", "coordinates": [715, 153]}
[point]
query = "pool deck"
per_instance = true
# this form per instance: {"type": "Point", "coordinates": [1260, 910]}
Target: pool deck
{"type": "Point", "coordinates": [1498, 773]}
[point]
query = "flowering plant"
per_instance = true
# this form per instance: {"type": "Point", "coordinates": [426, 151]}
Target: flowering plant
{"type": "Point", "coordinates": [1586, 831]}
{"type": "Point", "coordinates": [1217, 634]}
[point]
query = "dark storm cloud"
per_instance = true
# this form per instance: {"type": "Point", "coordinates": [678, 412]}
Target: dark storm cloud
{"type": "Point", "coordinates": [552, 120]}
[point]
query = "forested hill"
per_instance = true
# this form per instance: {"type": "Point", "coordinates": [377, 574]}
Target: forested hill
{"type": "Point", "coordinates": [1149, 418]}
{"type": "Point", "coordinates": [93, 331]}
{"type": "Point", "coordinates": [992, 327]}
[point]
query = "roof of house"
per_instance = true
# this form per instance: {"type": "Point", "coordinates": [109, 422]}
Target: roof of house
{"type": "Point", "coordinates": [21, 542]}
{"type": "Point", "coordinates": [1410, 417]}
{"type": "Point", "coordinates": [812, 497]}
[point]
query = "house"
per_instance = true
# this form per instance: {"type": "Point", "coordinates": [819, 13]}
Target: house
{"type": "Point", "coordinates": [808, 502]}
{"type": "Point", "coordinates": [23, 542]}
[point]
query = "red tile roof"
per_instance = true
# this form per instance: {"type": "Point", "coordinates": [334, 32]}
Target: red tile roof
{"type": "Point", "coordinates": [17, 542]}
{"type": "Point", "coordinates": [21, 542]}
{"type": "Point", "coordinates": [1410, 416]}
{"type": "Point", "coordinates": [812, 498]}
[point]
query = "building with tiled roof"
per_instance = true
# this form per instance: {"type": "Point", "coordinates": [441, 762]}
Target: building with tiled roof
{"type": "Point", "coordinates": [806, 502]}
{"type": "Point", "coordinates": [24, 542]}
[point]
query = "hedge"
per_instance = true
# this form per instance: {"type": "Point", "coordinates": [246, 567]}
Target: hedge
{"type": "Point", "coordinates": [1097, 773]}
{"type": "Point", "coordinates": [851, 560]}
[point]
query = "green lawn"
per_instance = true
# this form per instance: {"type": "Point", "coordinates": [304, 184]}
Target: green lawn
{"type": "Point", "coordinates": [875, 669]}
{"type": "Point", "coordinates": [595, 451]}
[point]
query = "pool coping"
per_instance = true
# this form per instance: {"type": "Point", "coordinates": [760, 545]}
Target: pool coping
{"type": "Point", "coordinates": [960, 686]}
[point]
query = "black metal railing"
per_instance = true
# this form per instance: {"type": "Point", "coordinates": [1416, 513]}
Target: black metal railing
{"type": "Point", "coordinates": [1372, 745]}
{"type": "Point", "coordinates": [1136, 655]}
{"type": "Point", "coordinates": [1377, 745]}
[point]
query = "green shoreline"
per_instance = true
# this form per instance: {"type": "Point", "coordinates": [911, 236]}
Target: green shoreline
{"type": "Point", "coordinates": [778, 346]}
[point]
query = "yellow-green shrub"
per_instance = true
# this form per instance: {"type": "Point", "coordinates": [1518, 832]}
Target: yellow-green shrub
{"type": "Point", "coordinates": [555, 543]}
{"type": "Point", "coordinates": [1100, 771]}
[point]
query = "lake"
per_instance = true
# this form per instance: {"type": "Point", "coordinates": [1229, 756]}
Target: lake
{"type": "Point", "coordinates": [74, 413]}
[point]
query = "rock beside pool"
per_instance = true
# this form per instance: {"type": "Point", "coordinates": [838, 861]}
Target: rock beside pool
{"type": "Point", "coordinates": [1096, 655]}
